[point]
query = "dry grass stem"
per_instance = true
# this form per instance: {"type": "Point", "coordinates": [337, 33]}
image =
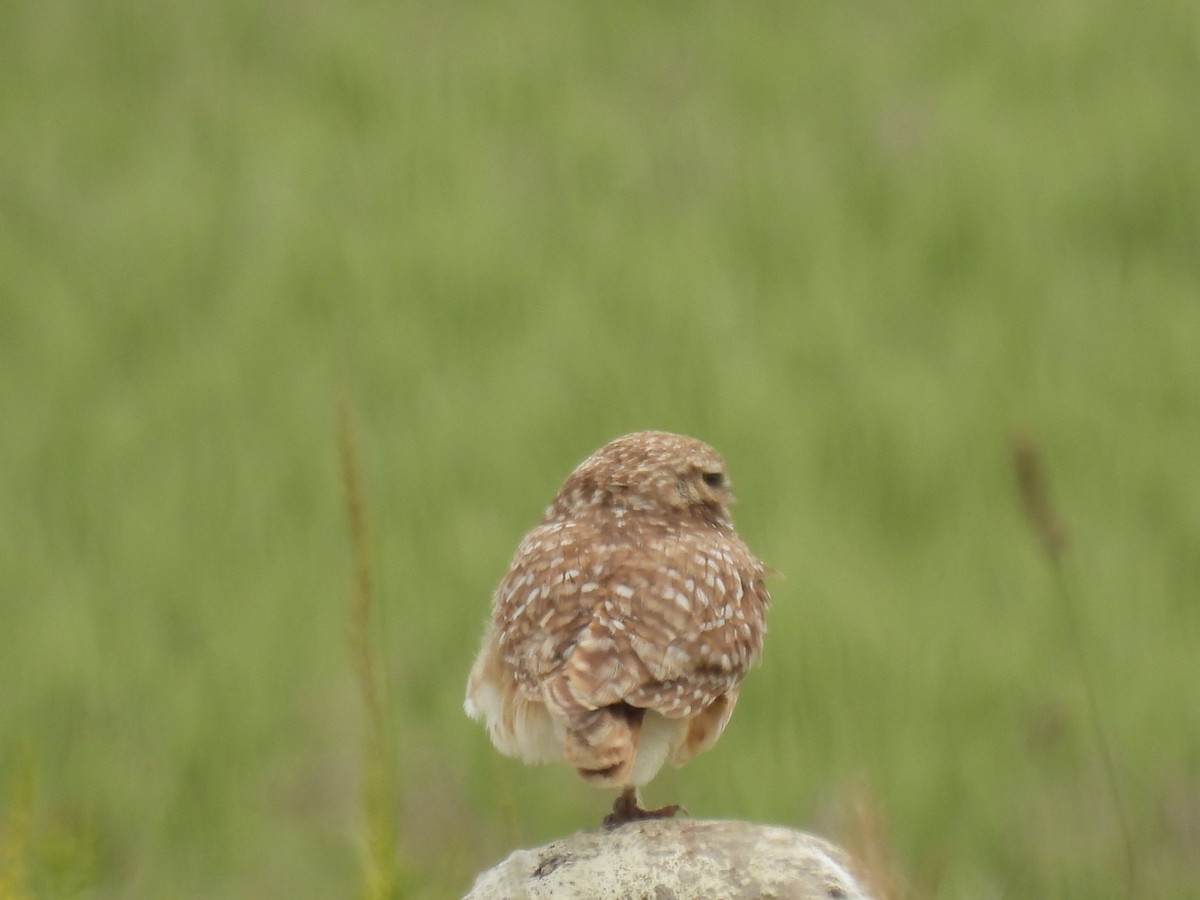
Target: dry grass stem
{"type": "Point", "coordinates": [1047, 525]}
{"type": "Point", "coordinates": [869, 841]}
{"type": "Point", "coordinates": [382, 873]}
{"type": "Point", "coordinates": [16, 835]}
{"type": "Point", "coordinates": [1035, 497]}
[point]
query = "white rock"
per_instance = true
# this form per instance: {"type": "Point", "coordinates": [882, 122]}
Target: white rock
{"type": "Point", "coordinates": [675, 859]}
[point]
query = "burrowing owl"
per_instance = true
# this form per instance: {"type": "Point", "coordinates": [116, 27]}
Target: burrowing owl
{"type": "Point", "coordinates": [621, 633]}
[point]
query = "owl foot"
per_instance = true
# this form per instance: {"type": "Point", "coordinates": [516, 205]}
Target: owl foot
{"type": "Point", "coordinates": [627, 808]}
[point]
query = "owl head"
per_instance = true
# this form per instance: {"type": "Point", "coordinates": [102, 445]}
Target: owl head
{"type": "Point", "coordinates": [651, 472]}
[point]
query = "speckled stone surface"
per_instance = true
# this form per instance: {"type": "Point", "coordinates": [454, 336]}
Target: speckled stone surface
{"type": "Point", "coordinates": [676, 859]}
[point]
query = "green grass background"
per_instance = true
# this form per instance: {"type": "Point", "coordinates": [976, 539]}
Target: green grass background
{"type": "Point", "coordinates": [853, 245]}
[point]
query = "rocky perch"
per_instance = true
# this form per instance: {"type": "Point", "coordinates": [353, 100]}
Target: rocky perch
{"type": "Point", "coordinates": [676, 859]}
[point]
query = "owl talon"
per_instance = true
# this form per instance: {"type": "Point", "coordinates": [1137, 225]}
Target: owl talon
{"type": "Point", "coordinates": [626, 808]}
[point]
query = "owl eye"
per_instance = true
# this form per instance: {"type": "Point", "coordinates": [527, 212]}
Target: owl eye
{"type": "Point", "coordinates": [714, 479]}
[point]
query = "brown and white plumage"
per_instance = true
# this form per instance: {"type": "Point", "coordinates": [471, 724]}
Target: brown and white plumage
{"type": "Point", "coordinates": [621, 633]}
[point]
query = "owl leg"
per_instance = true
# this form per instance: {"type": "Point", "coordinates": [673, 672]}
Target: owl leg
{"type": "Point", "coordinates": [628, 808]}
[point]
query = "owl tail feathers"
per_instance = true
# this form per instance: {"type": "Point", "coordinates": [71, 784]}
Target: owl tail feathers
{"type": "Point", "coordinates": [602, 744]}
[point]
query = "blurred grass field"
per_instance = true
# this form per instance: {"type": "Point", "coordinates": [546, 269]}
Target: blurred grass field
{"type": "Point", "coordinates": [854, 246]}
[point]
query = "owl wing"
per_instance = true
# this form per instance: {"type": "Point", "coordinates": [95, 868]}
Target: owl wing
{"type": "Point", "coordinates": [545, 601]}
{"type": "Point", "coordinates": [688, 615]}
